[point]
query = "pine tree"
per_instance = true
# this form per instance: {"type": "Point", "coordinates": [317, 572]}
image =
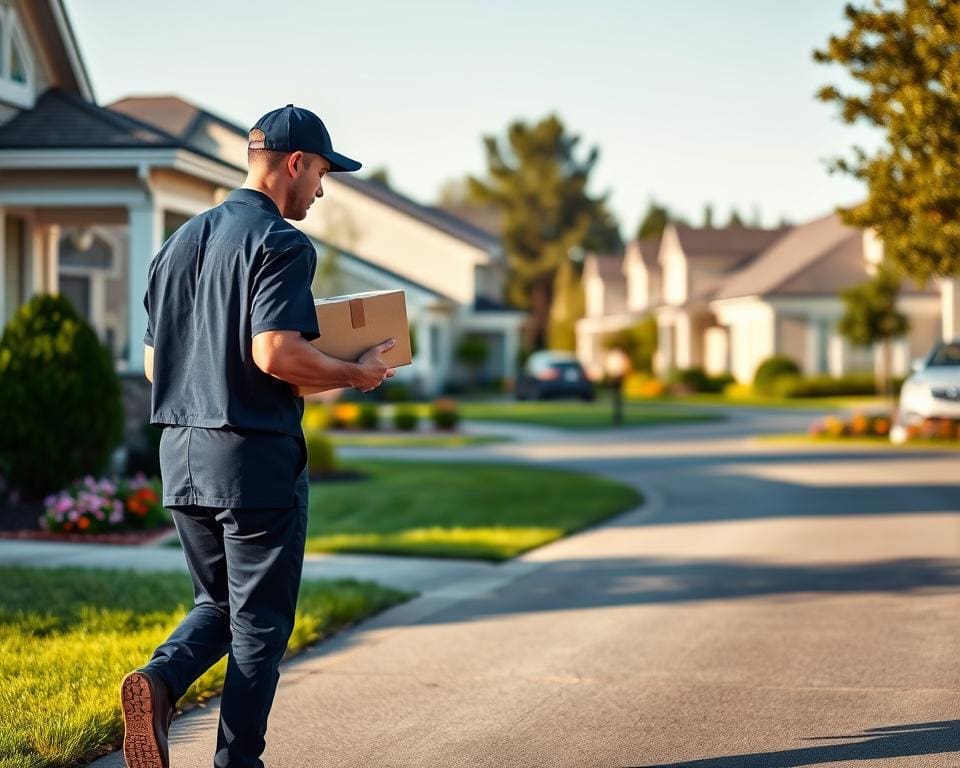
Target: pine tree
{"type": "Point", "coordinates": [654, 221]}
{"type": "Point", "coordinates": [907, 58]}
{"type": "Point", "coordinates": [540, 185]}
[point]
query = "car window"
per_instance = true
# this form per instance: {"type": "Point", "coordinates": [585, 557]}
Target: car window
{"type": "Point", "coordinates": [944, 355]}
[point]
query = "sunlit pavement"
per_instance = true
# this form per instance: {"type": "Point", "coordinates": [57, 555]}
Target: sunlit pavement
{"type": "Point", "coordinates": [767, 606]}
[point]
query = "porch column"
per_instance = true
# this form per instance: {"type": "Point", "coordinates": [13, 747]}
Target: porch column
{"type": "Point", "coordinates": [683, 341]}
{"type": "Point", "coordinates": [45, 265]}
{"type": "Point", "coordinates": [510, 349]}
{"type": "Point", "coordinates": [425, 352]}
{"type": "Point", "coordinates": [146, 231]}
{"type": "Point", "coordinates": [950, 307]}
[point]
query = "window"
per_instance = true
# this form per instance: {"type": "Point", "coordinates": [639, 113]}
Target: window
{"type": "Point", "coordinates": [17, 84]}
{"type": "Point", "coordinates": [18, 69]}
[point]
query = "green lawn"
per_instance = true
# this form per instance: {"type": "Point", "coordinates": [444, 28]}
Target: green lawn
{"type": "Point", "coordinates": [68, 636]}
{"type": "Point", "coordinates": [457, 509]}
{"type": "Point", "coordinates": [410, 440]}
{"type": "Point", "coordinates": [579, 415]}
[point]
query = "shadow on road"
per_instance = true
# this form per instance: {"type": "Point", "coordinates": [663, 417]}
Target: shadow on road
{"type": "Point", "coordinates": [600, 583]}
{"type": "Point", "coordinates": [872, 744]}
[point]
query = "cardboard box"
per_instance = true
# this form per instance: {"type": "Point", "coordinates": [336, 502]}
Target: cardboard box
{"type": "Point", "coordinates": [350, 325]}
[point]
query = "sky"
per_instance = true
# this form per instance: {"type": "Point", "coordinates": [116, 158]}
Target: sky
{"type": "Point", "coordinates": [689, 101]}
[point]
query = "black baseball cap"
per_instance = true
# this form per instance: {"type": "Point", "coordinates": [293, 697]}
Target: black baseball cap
{"type": "Point", "coordinates": [293, 129]}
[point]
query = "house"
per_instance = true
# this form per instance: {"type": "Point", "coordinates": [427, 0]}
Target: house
{"type": "Point", "coordinates": [786, 301]}
{"type": "Point", "coordinates": [88, 194]}
{"type": "Point", "coordinates": [726, 299]}
{"type": "Point", "coordinates": [618, 292]}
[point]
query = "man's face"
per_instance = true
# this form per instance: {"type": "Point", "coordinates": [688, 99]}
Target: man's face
{"type": "Point", "coordinates": [306, 185]}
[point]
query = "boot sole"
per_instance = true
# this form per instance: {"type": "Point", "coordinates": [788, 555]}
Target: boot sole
{"type": "Point", "coordinates": [140, 747]}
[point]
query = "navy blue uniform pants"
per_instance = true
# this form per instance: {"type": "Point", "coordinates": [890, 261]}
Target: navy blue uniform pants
{"type": "Point", "coordinates": [245, 564]}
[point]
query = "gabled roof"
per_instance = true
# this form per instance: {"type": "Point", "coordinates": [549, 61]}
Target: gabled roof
{"type": "Point", "coordinates": [172, 114]}
{"type": "Point", "coordinates": [435, 217]}
{"type": "Point", "coordinates": [609, 266]}
{"type": "Point", "coordinates": [648, 250]}
{"type": "Point", "coordinates": [394, 279]}
{"type": "Point", "coordinates": [63, 120]}
{"type": "Point", "coordinates": [796, 251]}
{"type": "Point", "coordinates": [736, 241]}
{"type": "Point", "coordinates": [52, 25]}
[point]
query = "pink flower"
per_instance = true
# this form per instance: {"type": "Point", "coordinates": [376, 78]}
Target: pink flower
{"type": "Point", "coordinates": [64, 504]}
{"type": "Point", "coordinates": [116, 517]}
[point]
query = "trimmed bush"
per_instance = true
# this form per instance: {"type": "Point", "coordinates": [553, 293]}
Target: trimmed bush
{"type": "Point", "coordinates": [445, 413]}
{"type": "Point", "coordinates": [316, 417]}
{"type": "Point", "coordinates": [824, 386]}
{"type": "Point", "coordinates": [369, 416]}
{"type": "Point", "coordinates": [344, 415]}
{"type": "Point", "coordinates": [770, 370]}
{"type": "Point", "coordinates": [321, 456]}
{"type": "Point", "coordinates": [697, 380]}
{"type": "Point", "coordinates": [60, 402]}
{"type": "Point", "coordinates": [405, 417]}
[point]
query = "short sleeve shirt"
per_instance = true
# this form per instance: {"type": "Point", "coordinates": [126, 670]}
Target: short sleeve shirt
{"type": "Point", "coordinates": [224, 276]}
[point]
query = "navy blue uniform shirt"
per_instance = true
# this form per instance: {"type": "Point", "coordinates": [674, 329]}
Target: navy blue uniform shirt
{"type": "Point", "coordinates": [231, 433]}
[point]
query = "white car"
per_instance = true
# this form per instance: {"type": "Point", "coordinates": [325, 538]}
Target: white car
{"type": "Point", "coordinates": [932, 391]}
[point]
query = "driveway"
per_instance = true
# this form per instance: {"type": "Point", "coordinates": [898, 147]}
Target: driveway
{"type": "Point", "coordinates": [768, 606]}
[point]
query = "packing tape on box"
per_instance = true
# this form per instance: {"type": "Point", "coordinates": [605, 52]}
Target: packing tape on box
{"type": "Point", "coordinates": [357, 319]}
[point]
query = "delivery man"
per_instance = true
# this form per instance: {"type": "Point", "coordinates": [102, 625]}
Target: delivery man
{"type": "Point", "coordinates": [230, 316]}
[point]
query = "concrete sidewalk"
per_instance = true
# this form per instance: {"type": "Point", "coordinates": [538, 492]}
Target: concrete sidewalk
{"type": "Point", "coordinates": [421, 574]}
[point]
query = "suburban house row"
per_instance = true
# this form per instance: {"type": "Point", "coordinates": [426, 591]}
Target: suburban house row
{"type": "Point", "coordinates": [726, 299]}
{"type": "Point", "coordinates": [88, 194]}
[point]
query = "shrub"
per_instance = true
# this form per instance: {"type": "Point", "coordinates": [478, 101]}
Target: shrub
{"type": "Point", "coordinates": [344, 415]}
{"type": "Point", "coordinates": [60, 402]}
{"type": "Point", "coordinates": [368, 416]}
{"type": "Point", "coordinates": [101, 505]}
{"type": "Point", "coordinates": [698, 380]}
{"type": "Point", "coordinates": [736, 391]}
{"type": "Point", "coordinates": [770, 370]}
{"type": "Point", "coordinates": [405, 417]}
{"type": "Point", "coordinates": [445, 413]}
{"type": "Point", "coordinates": [316, 417]}
{"type": "Point", "coordinates": [321, 457]}
{"type": "Point", "coordinates": [637, 386]}
{"type": "Point", "coordinates": [824, 386]}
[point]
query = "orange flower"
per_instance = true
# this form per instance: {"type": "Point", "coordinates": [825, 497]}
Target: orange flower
{"type": "Point", "coordinates": [147, 495]}
{"type": "Point", "coordinates": [83, 523]}
{"type": "Point", "coordinates": [136, 506]}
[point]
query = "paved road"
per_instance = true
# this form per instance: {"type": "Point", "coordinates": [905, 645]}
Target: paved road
{"type": "Point", "coordinates": [767, 607]}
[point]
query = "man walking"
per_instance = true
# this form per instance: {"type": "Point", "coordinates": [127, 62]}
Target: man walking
{"type": "Point", "coordinates": [230, 318]}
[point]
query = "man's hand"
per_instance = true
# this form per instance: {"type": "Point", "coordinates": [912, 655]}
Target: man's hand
{"type": "Point", "coordinates": [373, 371]}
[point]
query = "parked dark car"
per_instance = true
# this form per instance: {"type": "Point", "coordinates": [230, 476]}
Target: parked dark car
{"type": "Point", "coordinates": [550, 374]}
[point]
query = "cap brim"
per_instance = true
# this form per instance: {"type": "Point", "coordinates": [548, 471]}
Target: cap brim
{"type": "Point", "coordinates": [340, 162]}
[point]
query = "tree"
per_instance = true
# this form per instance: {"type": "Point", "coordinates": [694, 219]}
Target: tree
{"type": "Point", "coordinates": [654, 221]}
{"type": "Point", "coordinates": [538, 182]}
{"type": "Point", "coordinates": [639, 343]}
{"type": "Point", "coordinates": [907, 60]}
{"type": "Point", "coordinates": [708, 216]}
{"type": "Point", "coordinates": [735, 220]}
{"type": "Point", "coordinates": [380, 175]}
{"type": "Point", "coordinates": [871, 316]}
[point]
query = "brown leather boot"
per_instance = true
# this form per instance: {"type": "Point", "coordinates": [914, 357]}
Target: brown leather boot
{"type": "Point", "coordinates": [147, 711]}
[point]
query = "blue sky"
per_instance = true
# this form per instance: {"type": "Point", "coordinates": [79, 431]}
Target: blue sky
{"type": "Point", "coordinates": [689, 101]}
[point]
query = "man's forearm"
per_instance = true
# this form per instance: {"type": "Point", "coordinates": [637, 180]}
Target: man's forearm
{"type": "Point", "coordinates": [302, 364]}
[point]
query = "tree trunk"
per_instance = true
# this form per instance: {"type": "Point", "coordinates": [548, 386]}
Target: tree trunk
{"type": "Point", "coordinates": [536, 327]}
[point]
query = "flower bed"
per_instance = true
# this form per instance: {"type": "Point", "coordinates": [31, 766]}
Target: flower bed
{"type": "Point", "coordinates": [858, 425]}
{"type": "Point", "coordinates": [867, 425]}
{"type": "Point", "coordinates": [92, 506]}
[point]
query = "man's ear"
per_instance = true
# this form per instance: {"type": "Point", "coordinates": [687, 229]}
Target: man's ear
{"type": "Point", "coordinates": [295, 161]}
